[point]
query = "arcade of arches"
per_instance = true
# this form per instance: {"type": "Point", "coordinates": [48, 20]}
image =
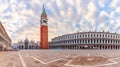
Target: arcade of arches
{"type": "Point", "coordinates": [87, 46]}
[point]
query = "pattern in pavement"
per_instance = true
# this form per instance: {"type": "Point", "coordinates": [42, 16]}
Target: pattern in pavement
{"type": "Point", "coordinates": [60, 58]}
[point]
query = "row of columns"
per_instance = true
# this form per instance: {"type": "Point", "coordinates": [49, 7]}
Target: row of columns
{"type": "Point", "coordinates": [87, 41]}
{"type": "Point", "coordinates": [87, 46]}
{"type": "Point", "coordinates": [87, 36]}
{"type": "Point", "coordinates": [29, 47]}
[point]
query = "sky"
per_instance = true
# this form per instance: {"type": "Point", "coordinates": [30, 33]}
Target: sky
{"type": "Point", "coordinates": [21, 18]}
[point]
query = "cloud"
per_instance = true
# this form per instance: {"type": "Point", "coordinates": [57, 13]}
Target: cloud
{"type": "Point", "coordinates": [114, 3]}
{"type": "Point", "coordinates": [118, 9]}
{"type": "Point", "coordinates": [21, 18]}
{"type": "Point", "coordinates": [103, 13]}
{"type": "Point", "coordinates": [102, 3]}
{"type": "Point", "coordinates": [90, 16]}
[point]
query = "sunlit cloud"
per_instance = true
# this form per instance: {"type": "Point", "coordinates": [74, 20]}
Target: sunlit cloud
{"type": "Point", "coordinates": [21, 18]}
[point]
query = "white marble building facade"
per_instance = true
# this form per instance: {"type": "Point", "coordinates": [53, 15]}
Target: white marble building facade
{"type": "Point", "coordinates": [87, 40]}
{"type": "Point", "coordinates": [26, 44]}
{"type": "Point", "coordinates": [5, 41]}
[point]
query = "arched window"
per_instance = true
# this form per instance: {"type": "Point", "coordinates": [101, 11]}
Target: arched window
{"type": "Point", "coordinates": [102, 41]}
{"type": "Point", "coordinates": [85, 35]}
{"type": "Point", "coordinates": [113, 41]}
{"type": "Point", "coordinates": [94, 41]}
{"type": "Point", "coordinates": [85, 41]}
{"type": "Point", "coordinates": [106, 35]}
{"type": "Point", "coordinates": [91, 35]}
{"type": "Point", "coordinates": [91, 41]}
{"type": "Point", "coordinates": [81, 35]}
{"type": "Point", "coordinates": [77, 36]}
{"type": "Point", "coordinates": [97, 40]}
{"type": "Point", "coordinates": [82, 41]}
{"type": "Point", "coordinates": [105, 41]}
{"type": "Point", "coordinates": [75, 41]}
{"type": "Point", "coordinates": [74, 36]}
{"type": "Point", "coordinates": [94, 35]}
{"type": "Point", "coordinates": [108, 41]}
{"type": "Point", "coordinates": [113, 36]}
{"type": "Point", "coordinates": [88, 41]}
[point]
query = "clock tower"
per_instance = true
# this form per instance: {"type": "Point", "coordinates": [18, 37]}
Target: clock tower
{"type": "Point", "coordinates": [43, 30]}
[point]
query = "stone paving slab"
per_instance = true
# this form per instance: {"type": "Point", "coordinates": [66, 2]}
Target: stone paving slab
{"type": "Point", "coordinates": [9, 59]}
{"type": "Point", "coordinates": [57, 58]}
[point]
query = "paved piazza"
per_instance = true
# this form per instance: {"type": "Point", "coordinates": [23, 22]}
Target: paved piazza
{"type": "Point", "coordinates": [60, 58]}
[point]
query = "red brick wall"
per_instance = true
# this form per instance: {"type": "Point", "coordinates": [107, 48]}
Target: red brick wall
{"type": "Point", "coordinates": [44, 37]}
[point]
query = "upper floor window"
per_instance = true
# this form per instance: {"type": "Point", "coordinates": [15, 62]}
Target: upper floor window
{"type": "Point", "coordinates": [113, 36]}
{"type": "Point", "coordinates": [80, 35]}
{"type": "Point", "coordinates": [94, 35]}
{"type": "Point", "coordinates": [85, 35]}
{"type": "Point", "coordinates": [106, 35]}
{"type": "Point", "coordinates": [75, 36]}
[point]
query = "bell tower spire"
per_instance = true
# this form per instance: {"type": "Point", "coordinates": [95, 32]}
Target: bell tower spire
{"type": "Point", "coordinates": [43, 12]}
{"type": "Point", "coordinates": [43, 30]}
{"type": "Point", "coordinates": [43, 16]}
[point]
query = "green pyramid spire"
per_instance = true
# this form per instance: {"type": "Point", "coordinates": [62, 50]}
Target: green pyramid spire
{"type": "Point", "coordinates": [43, 12]}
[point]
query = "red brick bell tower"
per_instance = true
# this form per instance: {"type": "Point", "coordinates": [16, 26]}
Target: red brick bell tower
{"type": "Point", "coordinates": [43, 30]}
